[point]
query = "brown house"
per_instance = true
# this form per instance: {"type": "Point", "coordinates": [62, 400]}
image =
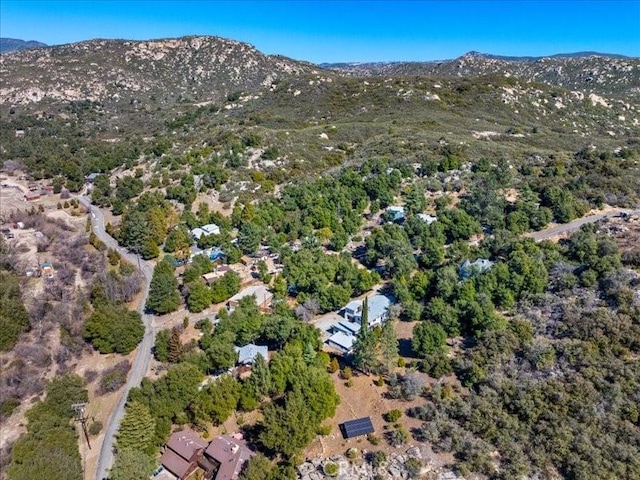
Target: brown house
{"type": "Point", "coordinates": [182, 453]}
{"type": "Point", "coordinates": [222, 459]}
{"type": "Point", "coordinates": [230, 454]}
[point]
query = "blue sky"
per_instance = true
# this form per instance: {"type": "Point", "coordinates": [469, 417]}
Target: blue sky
{"type": "Point", "coordinates": [333, 30]}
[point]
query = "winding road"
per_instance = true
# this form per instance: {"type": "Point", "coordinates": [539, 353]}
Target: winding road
{"type": "Point", "coordinates": [143, 355]}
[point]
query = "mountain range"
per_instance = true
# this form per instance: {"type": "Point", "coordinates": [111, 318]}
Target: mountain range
{"type": "Point", "coordinates": [209, 69]}
{"type": "Point", "coordinates": [13, 44]}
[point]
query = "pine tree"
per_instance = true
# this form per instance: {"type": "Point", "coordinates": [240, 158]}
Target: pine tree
{"type": "Point", "coordinates": [175, 346]}
{"type": "Point", "coordinates": [137, 429]}
{"type": "Point", "coordinates": [388, 347]}
{"type": "Point", "coordinates": [260, 379]}
{"type": "Point", "coordinates": [364, 348]}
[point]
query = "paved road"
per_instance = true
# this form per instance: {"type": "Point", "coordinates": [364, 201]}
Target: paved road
{"type": "Point", "coordinates": [555, 230]}
{"type": "Point", "coordinates": [143, 356]}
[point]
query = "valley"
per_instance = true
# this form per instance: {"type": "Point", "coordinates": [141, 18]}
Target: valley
{"type": "Point", "coordinates": [170, 206]}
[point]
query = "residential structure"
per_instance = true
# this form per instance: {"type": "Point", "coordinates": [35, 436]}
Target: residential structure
{"type": "Point", "coordinates": [248, 354]}
{"type": "Point", "coordinates": [341, 341]}
{"type": "Point", "coordinates": [469, 269]}
{"type": "Point", "coordinates": [262, 295]}
{"type": "Point", "coordinates": [378, 310]}
{"type": "Point", "coordinates": [221, 459]}
{"type": "Point", "coordinates": [209, 229]}
{"type": "Point", "coordinates": [183, 453]}
{"type": "Point", "coordinates": [47, 270]}
{"type": "Point", "coordinates": [396, 213]}
{"type": "Point", "coordinates": [230, 454]}
{"type": "Point", "coordinates": [428, 219]}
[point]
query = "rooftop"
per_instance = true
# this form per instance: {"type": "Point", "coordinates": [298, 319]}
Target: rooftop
{"type": "Point", "coordinates": [231, 453]}
{"type": "Point", "coordinates": [250, 352]}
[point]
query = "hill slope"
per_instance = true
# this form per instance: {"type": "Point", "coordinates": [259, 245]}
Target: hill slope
{"type": "Point", "coordinates": [192, 69]}
{"type": "Point", "coordinates": [590, 72]}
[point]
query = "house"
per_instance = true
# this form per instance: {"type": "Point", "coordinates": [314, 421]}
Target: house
{"type": "Point", "coordinates": [378, 310]}
{"type": "Point", "coordinates": [348, 328]}
{"type": "Point", "coordinates": [47, 270]}
{"type": "Point", "coordinates": [469, 269]}
{"type": "Point", "coordinates": [396, 213]}
{"type": "Point", "coordinates": [262, 296]}
{"type": "Point", "coordinates": [230, 455]}
{"type": "Point", "coordinates": [209, 229]}
{"type": "Point", "coordinates": [183, 453]}
{"type": "Point", "coordinates": [428, 219]}
{"type": "Point", "coordinates": [248, 354]}
{"type": "Point", "coordinates": [31, 196]}
{"type": "Point", "coordinates": [341, 341]}
{"type": "Point", "coordinates": [19, 133]}
{"type": "Point", "coordinates": [216, 274]}
{"type": "Point", "coordinates": [91, 177]}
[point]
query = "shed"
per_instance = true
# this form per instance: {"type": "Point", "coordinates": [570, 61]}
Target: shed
{"type": "Point", "coordinates": [355, 428]}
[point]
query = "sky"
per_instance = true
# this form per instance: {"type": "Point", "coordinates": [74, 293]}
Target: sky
{"type": "Point", "coordinates": [335, 31]}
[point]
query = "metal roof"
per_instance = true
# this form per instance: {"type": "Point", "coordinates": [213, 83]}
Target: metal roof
{"type": "Point", "coordinates": [355, 428]}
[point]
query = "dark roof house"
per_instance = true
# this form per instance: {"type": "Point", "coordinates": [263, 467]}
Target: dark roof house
{"type": "Point", "coordinates": [230, 453]}
{"type": "Point", "coordinates": [182, 453]}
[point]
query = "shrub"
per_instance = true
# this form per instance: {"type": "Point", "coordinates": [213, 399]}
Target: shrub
{"type": "Point", "coordinates": [413, 466]}
{"type": "Point", "coordinates": [324, 430]}
{"type": "Point", "coordinates": [331, 469]}
{"type": "Point", "coordinates": [346, 373]}
{"type": "Point", "coordinates": [378, 459]}
{"type": "Point", "coordinates": [393, 416]}
{"type": "Point", "coordinates": [373, 439]}
{"type": "Point", "coordinates": [95, 428]}
{"type": "Point", "coordinates": [352, 453]}
{"type": "Point", "coordinates": [114, 377]}
{"type": "Point", "coordinates": [398, 437]}
{"type": "Point", "coordinates": [334, 366]}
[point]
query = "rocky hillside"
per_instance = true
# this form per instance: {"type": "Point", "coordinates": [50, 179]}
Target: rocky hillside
{"type": "Point", "coordinates": [188, 69]}
{"type": "Point", "coordinates": [13, 44]}
{"type": "Point", "coordinates": [587, 72]}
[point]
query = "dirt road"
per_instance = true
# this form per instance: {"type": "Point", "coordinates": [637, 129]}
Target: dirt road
{"type": "Point", "coordinates": [144, 351]}
{"type": "Point", "coordinates": [556, 230]}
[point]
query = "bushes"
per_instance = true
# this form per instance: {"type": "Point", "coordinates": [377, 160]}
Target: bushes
{"type": "Point", "coordinates": [49, 449]}
{"type": "Point", "coordinates": [114, 378]}
{"type": "Point", "coordinates": [14, 318]}
{"type": "Point", "coordinates": [113, 328]}
{"type": "Point", "coordinates": [393, 416]}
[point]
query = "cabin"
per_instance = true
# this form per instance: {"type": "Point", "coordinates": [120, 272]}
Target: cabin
{"type": "Point", "coordinates": [470, 269]}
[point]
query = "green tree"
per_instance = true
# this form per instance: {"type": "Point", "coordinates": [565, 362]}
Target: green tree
{"type": "Point", "coordinates": [199, 297]}
{"type": "Point", "coordinates": [175, 348]}
{"type": "Point", "coordinates": [258, 467]}
{"type": "Point", "coordinates": [164, 296]}
{"type": "Point", "coordinates": [14, 318]}
{"type": "Point", "coordinates": [364, 347]}
{"type": "Point", "coordinates": [137, 429]}
{"type": "Point", "coordinates": [131, 464]}
{"type": "Point", "coordinates": [428, 338]}
{"type": "Point", "coordinates": [388, 347]}
{"type": "Point", "coordinates": [113, 328]}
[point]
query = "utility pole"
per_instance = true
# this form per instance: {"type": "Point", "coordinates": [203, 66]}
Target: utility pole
{"type": "Point", "coordinates": [80, 416]}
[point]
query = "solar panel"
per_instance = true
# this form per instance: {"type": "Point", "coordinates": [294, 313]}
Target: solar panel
{"type": "Point", "coordinates": [355, 428]}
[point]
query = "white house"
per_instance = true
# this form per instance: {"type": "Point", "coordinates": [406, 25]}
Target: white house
{"type": "Point", "coordinates": [378, 310]}
{"type": "Point", "coordinates": [341, 341]}
{"type": "Point", "coordinates": [210, 229]}
{"type": "Point", "coordinates": [469, 269]}
{"type": "Point", "coordinates": [428, 219]}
